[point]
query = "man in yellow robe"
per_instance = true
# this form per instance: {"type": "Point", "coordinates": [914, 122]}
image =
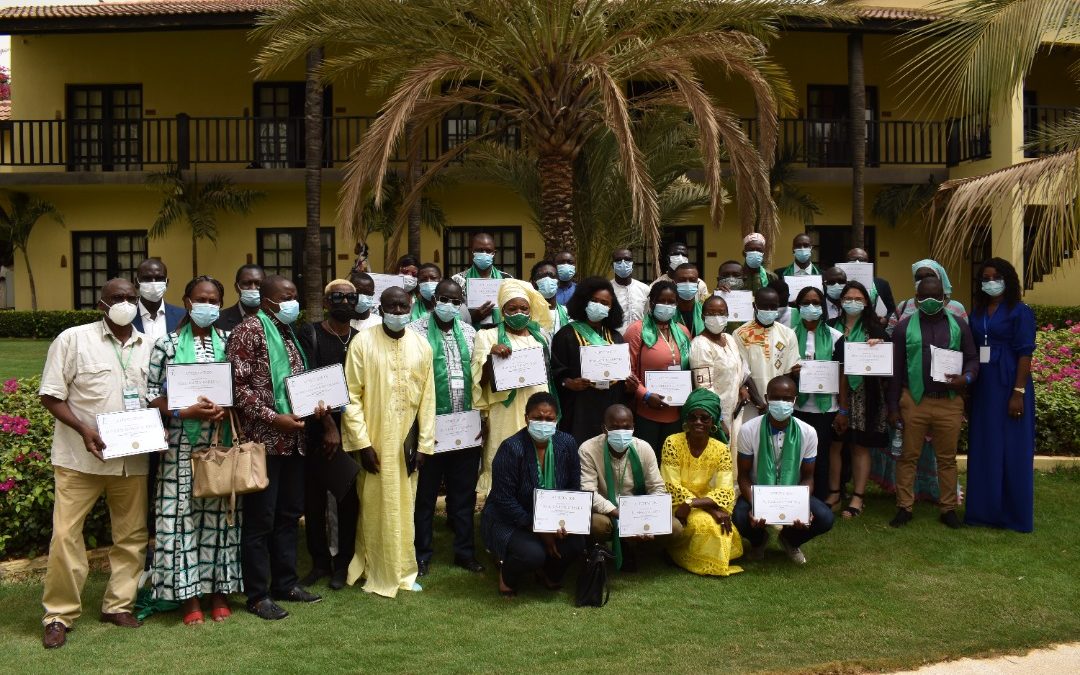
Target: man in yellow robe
{"type": "Point", "coordinates": [390, 378]}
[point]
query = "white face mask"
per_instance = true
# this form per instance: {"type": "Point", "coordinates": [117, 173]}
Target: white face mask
{"type": "Point", "coordinates": [122, 313]}
{"type": "Point", "coordinates": [410, 283]}
{"type": "Point", "coordinates": [152, 291]}
{"type": "Point", "coordinates": [715, 324]}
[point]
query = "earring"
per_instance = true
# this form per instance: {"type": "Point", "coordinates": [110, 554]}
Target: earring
{"type": "Point", "coordinates": [715, 428]}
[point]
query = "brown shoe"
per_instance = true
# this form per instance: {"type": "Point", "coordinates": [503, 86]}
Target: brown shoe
{"type": "Point", "coordinates": [55, 635]}
{"type": "Point", "coordinates": [122, 619]}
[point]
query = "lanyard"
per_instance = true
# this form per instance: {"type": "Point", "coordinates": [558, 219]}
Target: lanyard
{"type": "Point", "coordinates": [622, 474]}
{"type": "Point", "coordinates": [777, 449]}
{"type": "Point", "coordinates": [670, 346]}
{"type": "Point", "coordinates": [120, 358]}
{"type": "Point", "coordinates": [986, 328]}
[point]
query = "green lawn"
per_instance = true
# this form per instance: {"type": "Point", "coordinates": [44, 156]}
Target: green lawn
{"type": "Point", "coordinates": [22, 357]}
{"type": "Point", "coordinates": [870, 598]}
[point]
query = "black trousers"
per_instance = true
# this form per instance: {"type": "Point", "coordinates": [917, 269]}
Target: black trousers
{"type": "Point", "coordinates": [526, 554]}
{"type": "Point", "coordinates": [822, 423]}
{"type": "Point", "coordinates": [316, 502]}
{"type": "Point", "coordinates": [268, 537]}
{"type": "Point", "coordinates": [821, 523]}
{"type": "Point", "coordinates": [460, 469]}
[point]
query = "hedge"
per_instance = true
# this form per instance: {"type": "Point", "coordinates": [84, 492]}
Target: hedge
{"type": "Point", "coordinates": [45, 324]}
{"type": "Point", "coordinates": [1055, 315]}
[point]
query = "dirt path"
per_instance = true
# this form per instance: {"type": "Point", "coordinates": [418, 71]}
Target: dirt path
{"type": "Point", "coordinates": [1053, 661]}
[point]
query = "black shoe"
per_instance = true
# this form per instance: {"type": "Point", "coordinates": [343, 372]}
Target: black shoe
{"type": "Point", "coordinates": [422, 568]}
{"type": "Point", "coordinates": [267, 609]}
{"type": "Point", "coordinates": [470, 564]}
{"type": "Point", "coordinates": [337, 581]}
{"type": "Point", "coordinates": [314, 575]}
{"type": "Point", "coordinates": [902, 518]}
{"type": "Point", "coordinates": [950, 520]}
{"type": "Point", "coordinates": [298, 594]}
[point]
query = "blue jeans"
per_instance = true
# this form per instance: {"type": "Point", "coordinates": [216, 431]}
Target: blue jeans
{"type": "Point", "coordinates": [821, 523]}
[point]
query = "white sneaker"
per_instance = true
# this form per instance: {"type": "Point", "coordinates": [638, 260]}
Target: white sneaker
{"type": "Point", "coordinates": [793, 553]}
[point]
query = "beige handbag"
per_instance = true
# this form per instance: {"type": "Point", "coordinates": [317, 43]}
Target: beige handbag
{"type": "Point", "coordinates": [229, 471]}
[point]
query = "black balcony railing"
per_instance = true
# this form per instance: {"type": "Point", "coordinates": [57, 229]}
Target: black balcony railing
{"type": "Point", "coordinates": [1037, 118]}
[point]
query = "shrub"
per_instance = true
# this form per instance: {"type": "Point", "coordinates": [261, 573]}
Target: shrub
{"type": "Point", "coordinates": [1055, 315]}
{"type": "Point", "coordinates": [1056, 372]}
{"type": "Point", "coordinates": [46, 325]}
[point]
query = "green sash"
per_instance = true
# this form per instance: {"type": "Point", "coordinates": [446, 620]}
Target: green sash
{"type": "Point", "coordinates": [613, 492]}
{"type": "Point", "coordinates": [823, 349]}
{"type": "Point", "coordinates": [790, 455]}
{"type": "Point", "coordinates": [913, 341]}
{"type": "Point", "coordinates": [185, 353]}
{"type": "Point", "coordinates": [649, 335]}
{"type": "Point", "coordinates": [763, 276]}
{"type": "Point", "coordinates": [588, 334]}
{"type": "Point", "coordinates": [564, 318]}
{"type": "Point", "coordinates": [280, 368]}
{"type": "Point", "coordinates": [699, 321]}
{"type": "Point", "coordinates": [545, 474]}
{"type": "Point", "coordinates": [789, 271]}
{"type": "Point", "coordinates": [534, 330]}
{"type": "Point", "coordinates": [418, 309]}
{"type": "Point", "coordinates": [444, 401]}
{"type": "Point", "coordinates": [858, 334]}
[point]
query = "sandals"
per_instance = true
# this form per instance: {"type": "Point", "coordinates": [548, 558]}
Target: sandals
{"type": "Point", "coordinates": [851, 511]}
{"type": "Point", "coordinates": [194, 618]}
{"type": "Point", "coordinates": [833, 506]}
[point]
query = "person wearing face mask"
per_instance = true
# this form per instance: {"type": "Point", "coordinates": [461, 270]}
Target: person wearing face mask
{"type": "Point", "coordinates": [677, 254]}
{"type": "Point", "coordinates": [778, 449]}
{"type": "Point", "coordinates": [408, 267]}
{"type": "Point", "coordinates": [451, 340]}
{"type": "Point", "coordinates": [880, 291]}
{"type": "Point", "coordinates": [924, 405]}
{"type": "Point", "coordinates": [689, 314]}
{"type": "Point", "coordinates": [919, 271]}
{"type": "Point", "coordinates": [264, 350]}
{"type": "Point", "coordinates": [248, 278]}
{"type": "Point", "coordinates": [615, 464]}
{"type": "Point", "coordinates": [428, 277]}
{"type": "Point", "coordinates": [482, 248]}
{"type": "Point", "coordinates": [525, 317]}
{"type": "Point", "coordinates": [390, 422]}
{"type": "Point", "coordinates": [196, 547]}
{"type": "Point", "coordinates": [545, 279]}
{"type": "Point", "coordinates": [155, 317]}
{"type": "Point", "coordinates": [769, 347]}
{"type": "Point", "coordinates": [91, 369]}
{"type": "Point", "coordinates": [657, 342]}
{"type": "Point", "coordinates": [718, 365]}
{"type": "Point", "coordinates": [757, 277]}
{"type": "Point", "coordinates": [364, 316]}
{"type": "Point", "coordinates": [1001, 456]}
{"type": "Point", "coordinates": [594, 315]}
{"type": "Point", "coordinates": [566, 269]}
{"type": "Point", "coordinates": [833, 279]}
{"type": "Point", "coordinates": [802, 249]}
{"type": "Point", "coordinates": [631, 293]}
{"type": "Point", "coordinates": [538, 456]}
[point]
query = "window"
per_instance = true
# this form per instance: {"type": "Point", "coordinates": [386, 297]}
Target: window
{"type": "Point", "coordinates": [100, 256]}
{"type": "Point", "coordinates": [281, 251]}
{"type": "Point", "coordinates": [104, 127]}
{"type": "Point", "coordinates": [834, 241]}
{"type": "Point", "coordinates": [827, 109]}
{"type": "Point", "coordinates": [691, 235]}
{"type": "Point", "coordinates": [279, 124]}
{"type": "Point", "coordinates": [457, 256]}
{"type": "Point", "coordinates": [464, 122]}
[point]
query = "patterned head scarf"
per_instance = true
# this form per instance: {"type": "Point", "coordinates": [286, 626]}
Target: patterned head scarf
{"type": "Point", "coordinates": [513, 289]}
{"type": "Point", "coordinates": [754, 237]}
{"type": "Point", "coordinates": [938, 269]}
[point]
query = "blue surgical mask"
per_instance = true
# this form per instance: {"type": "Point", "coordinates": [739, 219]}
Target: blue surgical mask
{"type": "Point", "coordinates": [288, 311]}
{"type": "Point", "coordinates": [364, 303]}
{"type": "Point", "coordinates": [481, 260]}
{"type": "Point", "coordinates": [620, 439]}
{"type": "Point", "coordinates": [547, 286]}
{"type": "Point", "coordinates": [596, 312]}
{"type": "Point", "coordinates": [623, 268]}
{"type": "Point", "coordinates": [834, 291]}
{"type": "Point", "coordinates": [446, 311]}
{"type": "Point", "coordinates": [802, 255]}
{"type": "Point", "coordinates": [427, 289]}
{"type": "Point", "coordinates": [993, 288]}
{"type": "Point", "coordinates": [566, 271]}
{"type": "Point", "coordinates": [754, 259]}
{"type": "Point", "coordinates": [663, 312]}
{"type": "Point", "coordinates": [395, 322]}
{"type": "Point", "coordinates": [781, 410]}
{"type": "Point", "coordinates": [250, 297]}
{"type": "Point", "coordinates": [541, 431]}
{"type": "Point", "coordinates": [810, 312]}
{"type": "Point", "coordinates": [853, 307]}
{"type": "Point", "coordinates": [203, 314]}
{"type": "Point", "coordinates": [687, 290]}
{"type": "Point", "coordinates": [766, 317]}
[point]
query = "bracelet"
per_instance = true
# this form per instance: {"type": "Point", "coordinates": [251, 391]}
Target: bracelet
{"type": "Point", "coordinates": [1020, 390]}
{"type": "Point", "coordinates": [645, 399]}
{"type": "Point", "coordinates": [842, 411]}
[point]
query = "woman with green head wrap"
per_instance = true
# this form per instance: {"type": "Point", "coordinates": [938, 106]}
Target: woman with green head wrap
{"type": "Point", "coordinates": [698, 475]}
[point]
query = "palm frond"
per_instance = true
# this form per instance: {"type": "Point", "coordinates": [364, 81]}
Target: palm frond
{"type": "Point", "coordinates": [894, 203]}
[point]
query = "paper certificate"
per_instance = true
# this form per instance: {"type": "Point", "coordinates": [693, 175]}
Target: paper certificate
{"type": "Point", "coordinates": [605, 362]}
{"type": "Point", "coordinates": [782, 504]}
{"type": "Point", "coordinates": [702, 377]}
{"type": "Point", "coordinates": [740, 305]}
{"type": "Point", "coordinates": [555, 510]}
{"type": "Point", "coordinates": [457, 431]}
{"type": "Point", "coordinates": [186, 382]}
{"type": "Point", "coordinates": [385, 281]}
{"type": "Point", "coordinates": [523, 368]}
{"type": "Point", "coordinates": [862, 359]}
{"type": "Point", "coordinates": [819, 377]}
{"type": "Point", "coordinates": [647, 514]}
{"type": "Point", "coordinates": [132, 432]}
{"type": "Point", "coordinates": [481, 291]}
{"type": "Point", "coordinates": [945, 362]}
{"type": "Point", "coordinates": [795, 284]}
{"type": "Point", "coordinates": [861, 272]}
{"type": "Point", "coordinates": [322, 386]}
{"type": "Point", "coordinates": [672, 386]}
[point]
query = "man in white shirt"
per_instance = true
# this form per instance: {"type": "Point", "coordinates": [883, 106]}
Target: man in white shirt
{"type": "Point", "coordinates": [156, 318]}
{"type": "Point", "coordinates": [632, 294]}
{"type": "Point", "coordinates": [677, 254]}
{"type": "Point", "coordinates": [768, 346]}
{"type": "Point", "coordinates": [366, 316]}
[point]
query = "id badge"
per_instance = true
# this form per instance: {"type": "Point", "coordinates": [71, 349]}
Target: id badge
{"type": "Point", "coordinates": [984, 354]}
{"type": "Point", "coordinates": [132, 400]}
{"type": "Point", "coordinates": [674, 367]}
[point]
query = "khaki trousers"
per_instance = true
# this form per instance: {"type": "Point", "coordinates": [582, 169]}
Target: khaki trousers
{"type": "Point", "coordinates": [942, 418]}
{"type": "Point", "coordinates": [76, 494]}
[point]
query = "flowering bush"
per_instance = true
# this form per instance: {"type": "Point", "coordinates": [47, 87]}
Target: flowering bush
{"type": "Point", "coordinates": [26, 475]}
{"type": "Point", "coordinates": [1055, 368]}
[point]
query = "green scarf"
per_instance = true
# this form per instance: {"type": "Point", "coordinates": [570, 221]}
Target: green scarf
{"type": "Point", "coordinates": [790, 455]}
{"type": "Point", "coordinates": [545, 475]}
{"type": "Point", "coordinates": [418, 309]}
{"type": "Point", "coordinates": [564, 318]}
{"type": "Point", "coordinates": [763, 277]}
{"type": "Point", "coordinates": [823, 350]}
{"type": "Point", "coordinates": [534, 330]}
{"type": "Point", "coordinates": [649, 335]}
{"type": "Point", "coordinates": [858, 334]}
{"type": "Point", "coordinates": [914, 342]}
{"type": "Point", "coordinates": [280, 368]}
{"type": "Point", "coordinates": [185, 353]}
{"type": "Point", "coordinates": [789, 271]}
{"type": "Point", "coordinates": [444, 401]}
{"type": "Point", "coordinates": [699, 322]}
{"type": "Point", "coordinates": [613, 492]}
{"type": "Point", "coordinates": [588, 334]}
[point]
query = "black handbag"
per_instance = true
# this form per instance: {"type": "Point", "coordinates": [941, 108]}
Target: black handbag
{"type": "Point", "coordinates": [592, 586]}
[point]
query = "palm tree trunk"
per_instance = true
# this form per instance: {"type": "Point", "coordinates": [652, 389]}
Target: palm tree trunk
{"type": "Point", "coordinates": [556, 203]}
{"type": "Point", "coordinates": [415, 171]}
{"type": "Point", "coordinates": [857, 135]}
{"type": "Point", "coordinates": [30, 278]}
{"type": "Point", "coordinates": [313, 160]}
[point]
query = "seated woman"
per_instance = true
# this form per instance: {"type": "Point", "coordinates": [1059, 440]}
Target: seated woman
{"type": "Point", "coordinates": [698, 474]}
{"type": "Point", "coordinates": [538, 456]}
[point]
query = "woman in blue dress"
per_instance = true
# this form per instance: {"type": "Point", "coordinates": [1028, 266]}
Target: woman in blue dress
{"type": "Point", "coordinates": [1001, 452]}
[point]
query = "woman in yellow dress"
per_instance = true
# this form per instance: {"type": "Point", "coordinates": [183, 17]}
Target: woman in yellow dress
{"type": "Point", "coordinates": [698, 474]}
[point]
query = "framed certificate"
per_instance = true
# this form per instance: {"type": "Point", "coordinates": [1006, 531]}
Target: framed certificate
{"type": "Point", "coordinates": [819, 377]}
{"type": "Point", "coordinates": [523, 368]}
{"type": "Point", "coordinates": [322, 386]}
{"type": "Point", "coordinates": [945, 362]}
{"type": "Point", "coordinates": [482, 291]}
{"type": "Point", "coordinates": [862, 359]}
{"type": "Point", "coordinates": [702, 377]}
{"type": "Point", "coordinates": [798, 282]}
{"type": "Point", "coordinates": [782, 504]}
{"type": "Point", "coordinates": [457, 431]}
{"type": "Point", "coordinates": [131, 432]}
{"type": "Point", "coordinates": [645, 514]}
{"type": "Point", "coordinates": [740, 305]}
{"type": "Point", "coordinates": [673, 386]}
{"type": "Point", "coordinates": [859, 271]}
{"type": "Point", "coordinates": [385, 281]}
{"type": "Point", "coordinates": [605, 362]}
{"type": "Point", "coordinates": [569, 510]}
{"type": "Point", "coordinates": [186, 382]}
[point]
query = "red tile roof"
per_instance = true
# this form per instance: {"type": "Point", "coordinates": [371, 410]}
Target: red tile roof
{"type": "Point", "coordinates": [895, 14]}
{"type": "Point", "coordinates": [135, 8]}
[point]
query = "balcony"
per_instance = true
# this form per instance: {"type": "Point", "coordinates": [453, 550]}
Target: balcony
{"type": "Point", "coordinates": [1038, 117]}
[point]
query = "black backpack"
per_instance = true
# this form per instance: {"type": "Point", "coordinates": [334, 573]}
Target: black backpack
{"type": "Point", "coordinates": [592, 589]}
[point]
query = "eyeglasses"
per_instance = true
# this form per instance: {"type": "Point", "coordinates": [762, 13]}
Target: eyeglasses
{"type": "Point", "coordinates": [337, 297]}
{"type": "Point", "coordinates": [456, 302]}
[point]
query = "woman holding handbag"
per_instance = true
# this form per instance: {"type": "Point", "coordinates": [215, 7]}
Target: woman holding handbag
{"type": "Point", "coordinates": [197, 549]}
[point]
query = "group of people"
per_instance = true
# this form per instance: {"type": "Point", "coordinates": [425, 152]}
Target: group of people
{"type": "Point", "coordinates": [420, 351]}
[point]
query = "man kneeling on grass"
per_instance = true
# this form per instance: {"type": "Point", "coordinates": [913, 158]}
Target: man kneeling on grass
{"type": "Point", "coordinates": [778, 449]}
{"type": "Point", "coordinates": [615, 464]}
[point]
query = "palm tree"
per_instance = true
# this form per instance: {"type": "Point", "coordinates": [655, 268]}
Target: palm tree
{"type": "Point", "coordinates": [199, 204]}
{"type": "Point", "coordinates": [17, 222]}
{"type": "Point", "coordinates": [385, 218]}
{"type": "Point", "coordinates": [313, 162]}
{"type": "Point", "coordinates": [556, 70]}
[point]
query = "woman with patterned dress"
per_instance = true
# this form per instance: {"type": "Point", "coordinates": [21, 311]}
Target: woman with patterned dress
{"type": "Point", "coordinates": [197, 548]}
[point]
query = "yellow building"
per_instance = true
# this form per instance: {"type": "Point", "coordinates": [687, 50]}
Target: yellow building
{"type": "Point", "coordinates": [104, 94]}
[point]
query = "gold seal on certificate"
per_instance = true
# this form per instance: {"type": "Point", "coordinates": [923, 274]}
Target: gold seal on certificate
{"type": "Point", "coordinates": [819, 377]}
{"type": "Point", "coordinates": [644, 515]}
{"type": "Point", "coordinates": [568, 510]}
{"type": "Point", "coordinates": [320, 387]}
{"type": "Point", "coordinates": [862, 359]}
{"type": "Point", "coordinates": [456, 431]}
{"type": "Point", "coordinates": [131, 432]}
{"type": "Point", "coordinates": [523, 368]}
{"type": "Point", "coordinates": [186, 382]}
{"type": "Point", "coordinates": [672, 386]}
{"type": "Point", "coordinates": [782, 504]}
{"type": "Point", "coordinates": [605, 362]}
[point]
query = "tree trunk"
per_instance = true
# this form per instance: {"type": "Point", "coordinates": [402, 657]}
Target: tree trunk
{"type": "Point", "coordinates": [30, 278]}
{"type": "Point", "coordinates": [556, 203]}
{"type": "Point", "coordinates": [313, 161]}
{"type": "Point", "coordinates": [414, 173]}
{"type": "Point", "coordinates": [857, 135]}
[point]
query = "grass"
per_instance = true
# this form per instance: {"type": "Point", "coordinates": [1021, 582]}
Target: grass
{"type": "Point", "coordinates": [870, 598]}
{"type": "Point", "coordinates": [22, 357]}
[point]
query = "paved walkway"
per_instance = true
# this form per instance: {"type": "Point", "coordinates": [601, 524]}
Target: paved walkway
{"type": "Point", "coordinates": [1053, 661]}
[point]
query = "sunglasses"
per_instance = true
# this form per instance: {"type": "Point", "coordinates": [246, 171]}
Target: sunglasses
{"type": "Point", "coordinates": [456, 302]}
{"type": "Point", "coordinates": [337, 297]}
